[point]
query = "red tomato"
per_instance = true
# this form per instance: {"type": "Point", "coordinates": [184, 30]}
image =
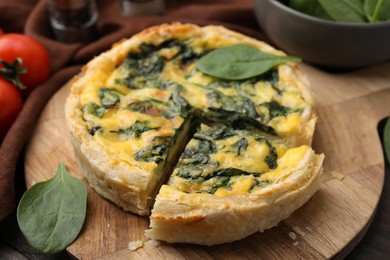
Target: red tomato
{"type": "Point", "coordinates": [10, 105]}
{"type": "Point", "coordinates": [34, 55]}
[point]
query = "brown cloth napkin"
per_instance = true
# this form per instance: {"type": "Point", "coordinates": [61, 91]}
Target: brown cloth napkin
{"type": "Point", "coordinates": [31, 18]}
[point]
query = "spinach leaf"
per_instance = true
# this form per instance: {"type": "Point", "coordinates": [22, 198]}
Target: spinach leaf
{"type": "Point", "coordinates": [152, 107]}
{"type": "Point", "coordinates": [310, 7]}
{"type": "Point", "coordinates": [244, 122]}
{"type": "Point", "coordinates": [94, 109]}
{"type": "Point", "coordinates": [222, 176]}
{"type": "Point", "coordinates": [196, 156]}
{"type": "Point", "coordinates": [94, 129]}
{"type": "Point", "coordinates": [186, 53]}
{"type": "Point", "coordinates": [155, 107]}
{"type": "Point", "coordinates": [386, 139]}
{"type": "Point", "coordinates": [196, 159]}
{"type": "Point", "coordinates": [345, 10]}
{"type": "Point", "coordinates": [236, 120]}
{"type": "Point", "coordinates": [241, 145]}
{"type": "Point", "coordinates": [191, 173]}
{"type": "Point", "coordinates": [222, 83]}
{"type": "Point", "coordinates": [136, 129]}
{"type": "Point", "coordinates": [275, 109]}
{"type": "Point", "coordinates": [359, 11]}
{"type": "Point", "coordinates": [132, 81]}
{"type": "Point", "coordinates": [142, 68]}
{"type": "Point", "coordinates": [259, 183]}
{"type": "Point", "coordinates": [157, 153]}
{"type": "Point", "coordinates": [223, 181]}
{"type": "Point", "coordinates": [239, 61]}
{"type": "Point", "coordinates": [218, 100]}
{"type": "Point", "coordinates": [176, 98]}
{"type": "Point", "coordinates": [198, 153]}
{"type": "Point", "coordinates": [139, 127]}
{"type": "Point", "coordinates": [51, 213]}
{"type": "Point", "coordinates": [230, 172]}
{"type": "Point", "coordinates": [146, 49]}
{"type": "Point", "coordinates": [145, 66]}
{"type": "Point", "coordinates": [271, 158]}
{"type": "Point", "coordinates": [109, 97]}
{"type": "Point", "coordinates": [271, 76]}
{"type": "Point", "coordinates": [135, 81]}
{"type": "Point", "coordinates": [377, 10]}
{"type": "Point", "coordinates": [249, 108]}
{"type": "Point", "coordinates": [142, 106]}
{"type": "Point", "coordinates": [205, 145]}
{"type": "Point", "coordinates": [151, 65]}
{"type": "Point", "coordinates": [219, 133]}
{"type": "Point", "coordinates": [181, 105]}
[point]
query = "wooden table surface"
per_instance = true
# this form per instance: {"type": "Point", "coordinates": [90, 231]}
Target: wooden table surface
{"type": "Point", "coordinates": [375, 244]}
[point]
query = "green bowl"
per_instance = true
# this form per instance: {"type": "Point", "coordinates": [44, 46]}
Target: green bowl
{"type": "Point", "coordinates": [322, 42]}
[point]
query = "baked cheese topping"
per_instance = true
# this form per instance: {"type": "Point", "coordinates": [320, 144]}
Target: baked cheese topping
{"type": "Point", "coordinates": [225, 162]}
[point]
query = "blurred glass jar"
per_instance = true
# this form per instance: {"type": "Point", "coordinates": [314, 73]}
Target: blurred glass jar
{"type": "Point", "coordinates": [73, 20]}
{"type": "Point", "coordinates": [142, 7]}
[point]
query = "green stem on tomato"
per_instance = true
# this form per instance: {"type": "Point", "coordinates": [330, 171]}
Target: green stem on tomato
{"type": "Point", "coordinates": [11, 71]}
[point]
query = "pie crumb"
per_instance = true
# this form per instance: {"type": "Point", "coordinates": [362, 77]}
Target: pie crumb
{"type": "Point", "coordinates": [295, 243]}
{"type": "Point", "coordinates": [135, 245]}
{"type": "Point", "coordinates": [337, 175]}
{"type": "Point", "coordinates": [293, 235]}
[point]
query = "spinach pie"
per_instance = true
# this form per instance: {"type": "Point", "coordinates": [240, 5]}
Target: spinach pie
{"type": "Point", "coordinates": [216, 124]}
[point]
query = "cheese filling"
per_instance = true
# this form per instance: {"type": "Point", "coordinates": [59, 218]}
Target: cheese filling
{"type": "Point", "coordinates": [224, 161]}
{"type": "Point", "coordinates": [135, 113]}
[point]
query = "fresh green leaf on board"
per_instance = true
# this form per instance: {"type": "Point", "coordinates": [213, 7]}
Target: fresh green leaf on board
{"type": "Point", "coordinates": [239, 61]}
{"type": "Point", "coordinates": [51, 213]}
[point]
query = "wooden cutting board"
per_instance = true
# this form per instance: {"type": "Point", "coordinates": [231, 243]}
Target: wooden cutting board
{"type": "Point", "coordinates": [349, 107]}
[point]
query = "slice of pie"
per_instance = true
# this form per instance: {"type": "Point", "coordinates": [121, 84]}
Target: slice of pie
{"type": "Point", "coordinates": [134, 108]}
{"type": "Point", "coordinates": [229, 184]}
{"type": "Point", "coordinates": [127, 125]}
